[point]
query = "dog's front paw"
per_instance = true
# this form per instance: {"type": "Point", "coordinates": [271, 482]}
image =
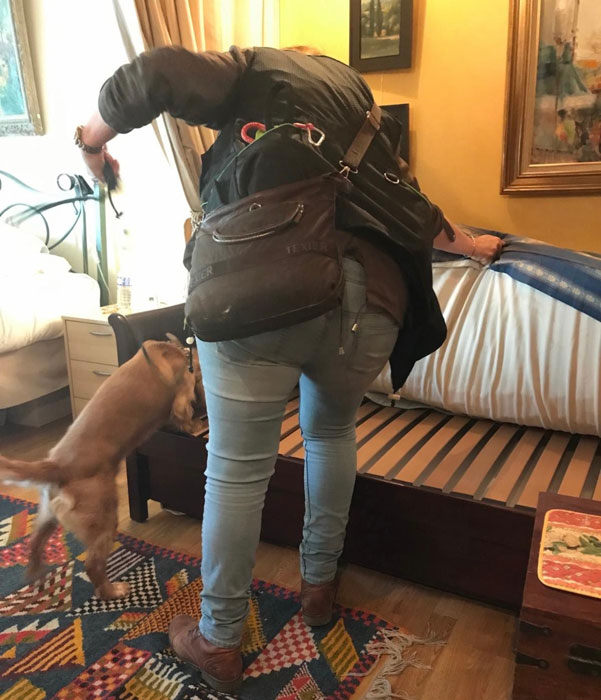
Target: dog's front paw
{"type": "Point", "coordinates": [113, 590]}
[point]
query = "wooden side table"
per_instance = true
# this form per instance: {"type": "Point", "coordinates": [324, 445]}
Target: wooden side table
{"type": "Point", "coordinates": [558, 654]}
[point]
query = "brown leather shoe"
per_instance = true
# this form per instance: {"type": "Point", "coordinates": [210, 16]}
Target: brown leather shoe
{"type": "Point", "coordinates": [317, 601]}
{"type": "Point", "coordinates": [220, 668]}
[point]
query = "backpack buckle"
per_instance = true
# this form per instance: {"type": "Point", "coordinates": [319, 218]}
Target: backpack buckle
{"type": "Point", "coordinates": [346, 170]}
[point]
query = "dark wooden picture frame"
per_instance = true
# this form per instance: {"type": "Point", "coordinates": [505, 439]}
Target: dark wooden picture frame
{"type": "Point", "coordinates": [401, 113]}
{"type": "Point", "coordinates": [381, 34]}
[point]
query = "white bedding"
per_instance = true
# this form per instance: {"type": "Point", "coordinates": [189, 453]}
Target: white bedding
{"type": "Point", "coordinates": [36, 289]}
{"type": "Point", "coordinates": [512, 354]}
{"type": "Point", "coordinates": [33, 300]}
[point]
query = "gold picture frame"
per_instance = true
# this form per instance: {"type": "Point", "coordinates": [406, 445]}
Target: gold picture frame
{"type": "Point", "coordinates": [19, 108]}
{"type": "Point", "coordinates": [553, 99]}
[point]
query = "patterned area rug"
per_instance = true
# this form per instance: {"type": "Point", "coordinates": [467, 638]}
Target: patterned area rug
{"type": "Point", "coordinates": [58, 641]}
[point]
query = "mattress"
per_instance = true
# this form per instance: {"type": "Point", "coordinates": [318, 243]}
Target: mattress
{"type": "Point", "coordinates": [523, 343]}
{"type": "Point", "coordinates": [32, 371]}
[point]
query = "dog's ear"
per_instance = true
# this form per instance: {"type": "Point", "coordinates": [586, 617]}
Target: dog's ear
{"type": "Point", "coordinates": [172, 350]}
{"type": "Point", "coordinates": [174, 339]}
{"type": "Point", "coordinates": [159, 350]}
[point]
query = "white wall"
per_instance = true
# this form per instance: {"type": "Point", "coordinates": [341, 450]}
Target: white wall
{"type": "Point", "coordinates": [75, 46]}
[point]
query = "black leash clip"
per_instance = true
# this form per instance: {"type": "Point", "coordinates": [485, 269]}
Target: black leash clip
{"type": "Point", "coordinates": [190, 340]}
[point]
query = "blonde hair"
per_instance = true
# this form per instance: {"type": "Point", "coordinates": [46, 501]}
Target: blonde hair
{"type": "Point", "coordinates": [308, 50]}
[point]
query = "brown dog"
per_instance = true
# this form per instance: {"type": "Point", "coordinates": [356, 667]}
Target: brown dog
{"type": "Point", "coordinates": [77, 479]}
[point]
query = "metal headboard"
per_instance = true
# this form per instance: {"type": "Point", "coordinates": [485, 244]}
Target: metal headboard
{"type": "Point", "coordinates": [79, 192]}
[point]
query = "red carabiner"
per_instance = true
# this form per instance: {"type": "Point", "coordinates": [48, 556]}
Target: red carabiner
{"type": "Point", "coordinates": [308, 126]}
{"type": "Point", "coordinates": [245, 136]}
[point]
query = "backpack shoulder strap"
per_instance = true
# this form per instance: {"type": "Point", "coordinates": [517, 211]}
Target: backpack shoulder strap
{"type": "Point", "coordinates": [364, 137]}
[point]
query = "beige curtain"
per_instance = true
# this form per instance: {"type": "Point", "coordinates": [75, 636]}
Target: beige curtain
{"type": "Point", "coordinates": [197, 25]}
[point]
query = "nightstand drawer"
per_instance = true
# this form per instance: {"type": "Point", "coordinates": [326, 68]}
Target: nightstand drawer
{"type": "Point", "coordinates": [92, 342]}
{"type": "Point", "coordinates": [86, 377]}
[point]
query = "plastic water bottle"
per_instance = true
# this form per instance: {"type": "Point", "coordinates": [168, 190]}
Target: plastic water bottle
{"type": "Point", "coordinates": [123, 291]}
{"type": "Point", "coordinates": [124, 280]}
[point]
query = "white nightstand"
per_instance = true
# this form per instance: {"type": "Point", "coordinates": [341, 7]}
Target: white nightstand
{"type": "Point", "coordinates": [91, 353]}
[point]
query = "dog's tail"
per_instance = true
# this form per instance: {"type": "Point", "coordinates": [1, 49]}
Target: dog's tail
{"type": "Point", "coordinates": [43, 471]}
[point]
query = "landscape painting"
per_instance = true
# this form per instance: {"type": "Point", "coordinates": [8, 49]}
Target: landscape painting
{"type": "Point", "coordinates": [380, 28]}
{"type": "Point", "coordinates": [381, 32]}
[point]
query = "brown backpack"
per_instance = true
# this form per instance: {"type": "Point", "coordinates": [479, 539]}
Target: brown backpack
{"type": "Point", "coordinates": [273, 258]}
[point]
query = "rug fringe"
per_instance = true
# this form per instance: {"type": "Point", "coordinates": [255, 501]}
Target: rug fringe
{"type": "Point", "coordinates": [392, 643]}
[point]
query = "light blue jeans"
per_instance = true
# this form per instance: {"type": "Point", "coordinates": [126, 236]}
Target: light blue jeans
{"type": "Point", "coordinates": [248, 383]}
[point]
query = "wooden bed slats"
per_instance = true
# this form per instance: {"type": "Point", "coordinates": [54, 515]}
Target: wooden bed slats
{"type": "Point", "coordinates": [408, 472]}
{"type": "Point", "coordinates": [595, 475]}
{"type": "Point", "coordinates": [457, 455]}
{"type": "Point", "coordinates": [510, 470]}
{"type": "Point", "coordinates": [499, 463]}
{"type": "Point", "coordinates": [369, 450]}
{"type": "Point", "coordinates": [488, 453]}
{"type": "Point", "coordinates": [386, 460]}
{"type": "Point", "coordinates": [543, 469]}
{"type": "Point", "coordinates": [578, 468]}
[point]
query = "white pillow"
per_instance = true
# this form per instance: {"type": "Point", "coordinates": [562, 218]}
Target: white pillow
{"type": "Point", "coordinates": [34, 264]}
{"type": "Point", "coordinates": [16, 243]}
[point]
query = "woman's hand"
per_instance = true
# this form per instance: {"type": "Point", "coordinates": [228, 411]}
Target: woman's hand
{"type": "Point", "coordinates": [483, 249]}
{"type": "Point", "coordinates": [487, 248]}
{"type": "Point", "coordinates": [95, 163]}
{"type": "Point", "coordinates": [96, 133]}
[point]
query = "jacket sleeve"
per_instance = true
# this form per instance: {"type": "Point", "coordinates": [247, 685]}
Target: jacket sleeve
{"type": "Point", "coordinates": [195, 87]}
{"type": "Point", "coordinates": [411, 180]}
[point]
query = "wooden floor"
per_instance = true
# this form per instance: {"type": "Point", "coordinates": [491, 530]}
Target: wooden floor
{"type": "Point", "coordinates": [476, 662]}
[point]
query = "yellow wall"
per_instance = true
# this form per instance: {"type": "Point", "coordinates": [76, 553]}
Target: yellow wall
{"type": "Point", "coordinates": [456, 90]}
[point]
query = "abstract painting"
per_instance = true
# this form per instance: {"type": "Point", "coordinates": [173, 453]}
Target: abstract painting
{"type": "Point", "coordinates": [567, 114]}
{"type": "Point", "coordinates": [553, 124]}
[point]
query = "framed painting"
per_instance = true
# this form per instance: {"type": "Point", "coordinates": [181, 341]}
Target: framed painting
{"type": "Point", "coordinates": [19, 110]}
{"type": "Point", "coordinates": [553, 102]}
{"type": "Point", "coordinates": [381, 34]}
